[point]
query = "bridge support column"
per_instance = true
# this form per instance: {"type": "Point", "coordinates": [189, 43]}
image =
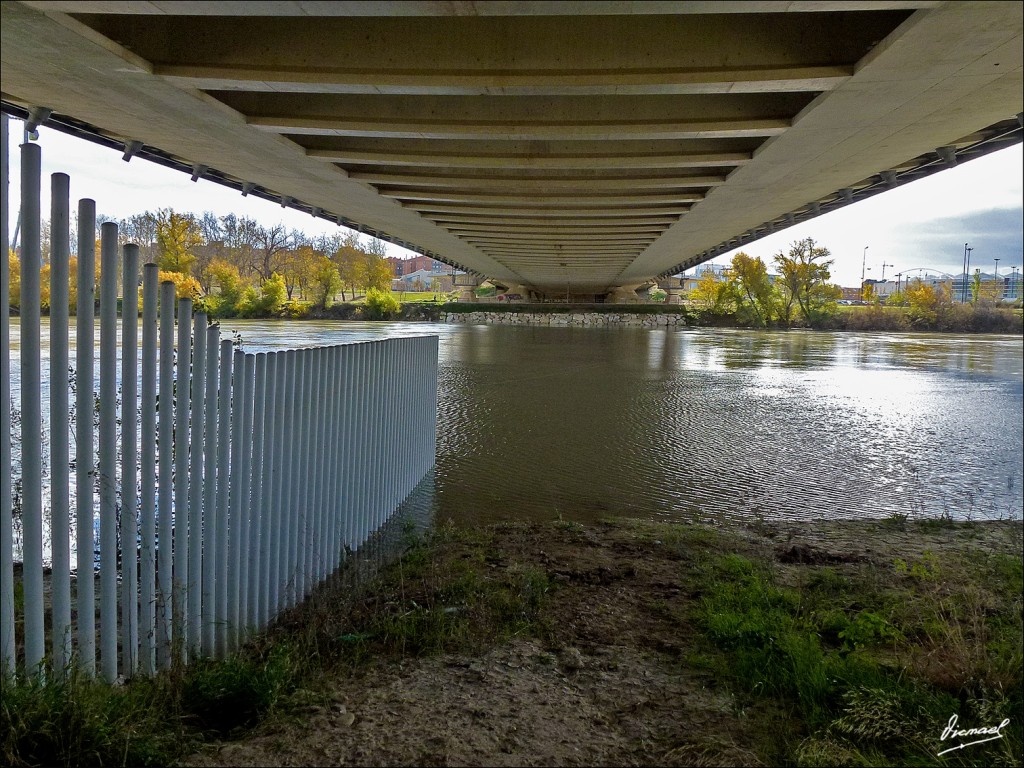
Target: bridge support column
{"type": "Point", "coordinates": [466, 285]}
{"type": "Point", "coordinates": [624, 294]}
{"type": "Point", "coordinates": [673, 290]}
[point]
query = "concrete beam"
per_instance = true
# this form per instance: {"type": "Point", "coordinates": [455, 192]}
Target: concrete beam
{"type": "Point", "coordinates": [545, 201]}
{"type": "Point", "coordinates": [519, 184]}
{"type": "Point", "coordinates": [517, 224]}
{"type": "Point", "coordinates": [457, 8]}
{"type": "Point", "coordinates": [479, 237]}
{"type": "Point", "coordinates": [574, 231]}
{"type": "Point", "coordinates": [606, 161]}
{"type": "Point", "coordinates": [535, 213]}
{"type": "Point", "coordinates": [517, 129]}
{"type": "Point", "coordinates": [680, 82]}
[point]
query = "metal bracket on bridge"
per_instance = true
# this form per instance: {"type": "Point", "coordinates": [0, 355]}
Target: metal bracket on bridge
{"type": "Point", "coordinates": [131, 148]}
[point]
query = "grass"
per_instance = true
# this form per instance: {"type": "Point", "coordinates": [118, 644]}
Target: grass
{"type": "Point", "coordinates": [862, 666]}
{"type": "Point", "coordinates": [836, 663]}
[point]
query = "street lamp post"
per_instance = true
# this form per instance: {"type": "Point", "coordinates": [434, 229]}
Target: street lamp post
{"type": "Point", "coordinates": [967, 268]}
{"type": "Point", "coordinates": [899, 276]}
{"type": "Point", "coordinates": [884, 265]}
{"type": "Point", "coordinates": [863, 265]}
{"type": "Point", "coordinates": [999, 293]}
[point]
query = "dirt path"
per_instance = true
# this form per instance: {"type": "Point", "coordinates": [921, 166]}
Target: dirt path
{"type": "Point", "coordinates": [612, 681]}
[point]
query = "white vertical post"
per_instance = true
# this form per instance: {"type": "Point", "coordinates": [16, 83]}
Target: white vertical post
{"type": "Point", "coordinates": [348, 448]}
{"type": "Point", "coordinates": [31, 410]}
{"type": "Point", "coordinates": [7, 657]}
{"type": "Point", "coordinates": [211, 515]}
{"type": "Point", "coordinates": [311, 397]}
{"type": "Point", "coordinates": [292, 485]}
{"type": "Point", "coordinates": [165, 478]}
{"type": "Point", "coordinates": [85, 402]}
{"type": "Point", "coordinates": [328, 448]}
{"type": "Point", "coordinates": [337, 457]}
{"type": "Point", "coordinates": [108, 451]}
{"type": "Point", "coordinates": [147, 473]}
{"type": "Point", "coordinates": [248, 518]}
{"type": "Point", "coordinates": [432, 400]}
{"type": "Point", "coordinates": [270, 439]}
{"type": "Point", "coordinates": [129, 457]}
{"type": "Point", "coordinates": [60, 524]}
{"type": "Point", "coordinates": [361, 443]}
{"type": "Point", "coordinates": [220, 555]}
{"type": "Point", "coordinates": [277, 527]}
{"type": "Point", "coordinates": [376, 429]}
{"type": "Point", "coordinates": [316, 464]}
{"type": "Point", "coordinates": [194, 599]}
{"type": "Point", "coordinates": [300, 546]}
{"type": "Point", "coordinates": [253, 549]}
{"type": "Point", "coordinates": [182, 406]}
{"type": "Point", "coordinates": [235, 511]}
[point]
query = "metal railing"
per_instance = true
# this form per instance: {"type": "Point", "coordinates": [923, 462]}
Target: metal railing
{"type": "Point", "coordinates": [238, 481]}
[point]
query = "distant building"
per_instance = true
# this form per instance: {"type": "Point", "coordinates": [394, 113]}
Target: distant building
{"type": "Point", "coordinates": [1005, 288]}
{"type": "Point", "coordinates": [423, 280]}
{"type": "Point", "coordinates": [403, 267]}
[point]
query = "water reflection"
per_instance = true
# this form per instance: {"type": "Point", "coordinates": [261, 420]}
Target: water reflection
{"type": "Point", "coordinates": [585, 422]}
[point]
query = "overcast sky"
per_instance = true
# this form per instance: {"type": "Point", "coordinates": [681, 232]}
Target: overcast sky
{"type": "Point", "coordinates": [922, 224]}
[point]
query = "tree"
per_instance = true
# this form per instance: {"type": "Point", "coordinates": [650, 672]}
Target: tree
{"type": "Point", "coordinates": [141, 229]}
{"type": "Point", "coordinates": [265, 302]}
{"type": "Point", "coordinates": [240, 240]}
{"type": "Point", "coordinates": [297, 269]}
{"type": "Point", "coordinates": [324, 281]}
{"type": "Point", "coordinates": [377, 271]}
{"type": "Point", "coordinates": [269, 243]}
{"type": "Point", "coordinates": [754, 293]}
{"type": "Point", "coordinates": [185, 286]}
{"type": "Point", "coordinates": [13, 278]}
{"type": "Point", "coordinates": [805, 273]}
{"type": "Point", "coordinates": [348, 258]}
{"type": "Point", "coordinates": [225, 276]}
{"type": "Point", "coordinates": [711, 294]}
{"type": "Point", "coordinates": [177, 237]}
{"type": "Point", "coordinates": [922, 302]}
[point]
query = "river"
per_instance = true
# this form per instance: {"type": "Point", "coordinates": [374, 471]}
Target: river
{"type": "Point", "coordinates": [583, 423]}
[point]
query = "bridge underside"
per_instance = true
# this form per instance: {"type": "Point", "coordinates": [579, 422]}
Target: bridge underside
{"type": "Point", "coordinates": [545, 145]}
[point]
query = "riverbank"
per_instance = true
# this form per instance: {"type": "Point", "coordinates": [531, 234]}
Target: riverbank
{"type": "Point", "coordinates": [619, 643]}
{"type": "Point", "coordinates": [958, 318]}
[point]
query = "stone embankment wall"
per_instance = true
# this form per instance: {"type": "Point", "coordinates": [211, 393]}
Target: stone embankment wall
{"type": "Point", "coordinates": [570, 319]}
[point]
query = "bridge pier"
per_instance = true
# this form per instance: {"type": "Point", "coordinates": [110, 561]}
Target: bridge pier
{"type": "Point", "coordinates": [624, 294]}
{"type": "Point", "coordinates": [466, 285]}
{"type": "Point", "coordinates": [673, 290]}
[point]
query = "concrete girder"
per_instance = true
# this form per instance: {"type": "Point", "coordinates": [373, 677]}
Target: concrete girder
{"type": "Point", "coordinates": [794, 79]}
{"type": "Point", "coordinates": [559, 239]}
{"type": "Point", "coordinates": [507, 184]}
{"type": "Point", "coordinates": [498, 222]}
{"type": "Point", "coordinates": [535, 213]}
{"type": "Point", "coordinates": [593, 161]}
{"type": "Point", "coordinates": [543, 201]}
{"type": "Point", "coordinates": [443, 8]}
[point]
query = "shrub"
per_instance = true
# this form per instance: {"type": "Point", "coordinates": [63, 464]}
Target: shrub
{"type": "Point", "coordinates": [380, 305]}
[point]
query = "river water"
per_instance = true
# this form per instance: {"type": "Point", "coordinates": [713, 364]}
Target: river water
{"type": "Point", "coordinates": [584, 423]}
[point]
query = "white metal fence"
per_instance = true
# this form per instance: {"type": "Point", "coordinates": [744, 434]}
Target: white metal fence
{"type": "Point", "coordinates": [237, 482]}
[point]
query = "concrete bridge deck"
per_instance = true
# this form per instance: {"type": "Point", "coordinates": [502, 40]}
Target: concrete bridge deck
{"type": "Point", "coordinates": [542, 144]}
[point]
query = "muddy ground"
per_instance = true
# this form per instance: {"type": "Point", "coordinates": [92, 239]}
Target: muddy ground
{"type": "Point", "coordinates": [613, 679]}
